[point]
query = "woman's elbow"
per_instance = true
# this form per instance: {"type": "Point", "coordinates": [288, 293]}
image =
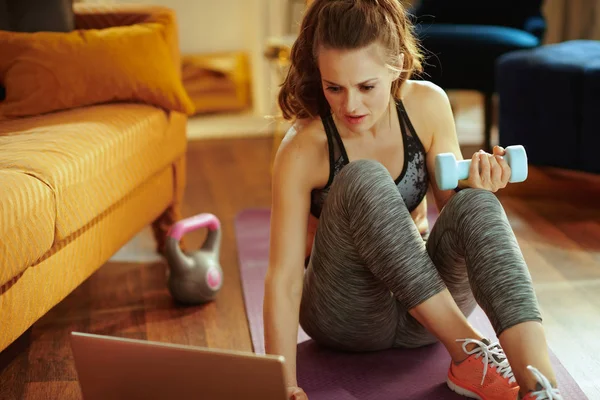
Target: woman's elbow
{"type": "Point", "coordinates": [284, 283]}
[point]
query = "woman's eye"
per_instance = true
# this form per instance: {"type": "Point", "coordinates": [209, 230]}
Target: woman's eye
{"type": "Point", "coordinates": [335, 89]}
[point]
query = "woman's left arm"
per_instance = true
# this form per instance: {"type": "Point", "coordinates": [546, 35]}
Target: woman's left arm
{"type": "Point", "coordinates": [487, 171]}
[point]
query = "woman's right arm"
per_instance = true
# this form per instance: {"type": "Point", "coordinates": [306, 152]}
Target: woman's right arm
{"type": "Point", "coordinates": [291, 185]}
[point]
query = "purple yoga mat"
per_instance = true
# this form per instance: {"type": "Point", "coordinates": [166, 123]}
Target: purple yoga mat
{"type": "Point", "coordinates": [327, 374]}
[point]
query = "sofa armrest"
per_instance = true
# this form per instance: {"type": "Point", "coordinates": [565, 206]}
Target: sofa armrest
{"type": "Point", "coordinates": [101, 16]}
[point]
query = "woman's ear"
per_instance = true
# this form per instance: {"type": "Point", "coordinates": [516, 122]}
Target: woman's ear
{"type": "Point", "coordinates": [400, 64]}
{"type": "Point", "coordinates": [400, 67]}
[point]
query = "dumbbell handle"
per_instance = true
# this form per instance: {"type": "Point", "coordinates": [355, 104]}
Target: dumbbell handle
{"type": "Point", "coordinates": [192, 223]}
{"type": "Point", "coordinates": [462, 169]}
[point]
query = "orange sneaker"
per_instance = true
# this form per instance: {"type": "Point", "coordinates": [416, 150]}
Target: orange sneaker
{"type": "Point", "coordinates": [544, 391]}
{"type": "Point", "coordinates": [485, 374]}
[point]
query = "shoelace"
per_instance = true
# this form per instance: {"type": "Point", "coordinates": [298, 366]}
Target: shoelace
{"type": "Point", "coordinates": [548, 392]}
{"type": "Point", "coordinates": [491, 354]}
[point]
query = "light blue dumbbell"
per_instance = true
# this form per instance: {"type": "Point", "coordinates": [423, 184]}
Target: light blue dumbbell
{"type": "Point", "coordinates": [448, 171]}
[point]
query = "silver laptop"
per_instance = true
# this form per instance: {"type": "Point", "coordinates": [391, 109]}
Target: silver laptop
{"type": "Point", "coordinates": [117, 368]}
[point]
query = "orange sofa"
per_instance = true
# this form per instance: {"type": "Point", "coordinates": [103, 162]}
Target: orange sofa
{"type": "Point", "coordinates": [77, 184]}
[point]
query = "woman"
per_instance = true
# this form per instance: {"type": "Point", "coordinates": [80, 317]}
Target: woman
{"type": "Point", "coordinates": [359, 159]}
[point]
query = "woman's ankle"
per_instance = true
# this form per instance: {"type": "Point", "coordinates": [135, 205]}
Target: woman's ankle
{"type": "Point", "coordinates": [541, 384]}
{"type": "Point", "coordinates": [531, 384]}
{"type": "Point", "coordinates": [525, 344]}
{"type": "Point", "coordinates": [441, 316]}
{"type": "Point", "coordinates": [463, 347]}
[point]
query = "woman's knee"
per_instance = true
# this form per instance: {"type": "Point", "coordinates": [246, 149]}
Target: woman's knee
{"type": "Point", "coordinates": [474, 194]}
{"type": "Point", "coordinates": [362, 171]}
{"type": "Point", "coordinates": [364, 180]}
{"type": "Point", "coordinates": [475, 201]}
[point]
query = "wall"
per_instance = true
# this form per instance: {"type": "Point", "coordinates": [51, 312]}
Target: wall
{"type": "Point", "coordinates": [228, 25]}
{"type": "Point", "coordinates": [572, 19]}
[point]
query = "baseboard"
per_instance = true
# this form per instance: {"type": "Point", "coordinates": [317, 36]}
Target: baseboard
{"type": "Point", "coordinates": [231, 125]}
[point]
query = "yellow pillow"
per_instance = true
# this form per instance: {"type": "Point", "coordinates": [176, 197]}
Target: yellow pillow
{"type": "Point", "coordinates": [49, 71]}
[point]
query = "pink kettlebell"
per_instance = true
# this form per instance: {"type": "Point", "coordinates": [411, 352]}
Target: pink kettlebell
{"type": "Point", "coordinates": [197, 277]}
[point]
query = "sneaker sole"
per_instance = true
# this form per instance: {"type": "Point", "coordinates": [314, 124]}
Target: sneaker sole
{"type": "Point", "coordinates": [460, 390]}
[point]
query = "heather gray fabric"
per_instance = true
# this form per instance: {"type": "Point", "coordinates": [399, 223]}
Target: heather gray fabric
{"type": "Point", "coordinates": [370, 265]}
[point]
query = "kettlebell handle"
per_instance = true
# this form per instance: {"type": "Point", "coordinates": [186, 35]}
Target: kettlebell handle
{"type": "Point", "coordinates": [193, 223]}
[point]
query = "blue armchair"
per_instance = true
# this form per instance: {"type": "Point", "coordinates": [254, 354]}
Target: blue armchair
{"type": "Point", "coordinates": [462, 40]}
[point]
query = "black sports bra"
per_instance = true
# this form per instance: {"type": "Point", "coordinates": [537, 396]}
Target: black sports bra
{"type": "Point", "coordinates": [413, 181]}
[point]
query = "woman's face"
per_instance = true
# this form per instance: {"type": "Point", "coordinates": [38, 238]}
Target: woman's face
{"type": "Point", "coordinates": [357, 85]}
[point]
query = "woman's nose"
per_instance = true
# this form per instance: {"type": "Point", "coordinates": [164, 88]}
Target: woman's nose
{"type": "Point", "coordinates": [350, 103]}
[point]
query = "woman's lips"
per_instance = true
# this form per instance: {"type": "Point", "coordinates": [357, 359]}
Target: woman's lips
{"type": "Point", "coordinates": [355, 119]}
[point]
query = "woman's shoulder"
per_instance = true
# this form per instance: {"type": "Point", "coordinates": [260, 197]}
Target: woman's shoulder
{"type": "Point", "coordinates": [304, 136]}
{"type": "Point", "coordinates": [308, 128]}
{"type": "Point", "coordinates": [425, 93]}
{"type": "Point", "coordinates": [304, 147]}
{"type": "Point", "coordinates": [428, 107]}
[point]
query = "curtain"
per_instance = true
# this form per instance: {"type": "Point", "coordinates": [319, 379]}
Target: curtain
{"type": "Point", "coordinates": [572, 19]}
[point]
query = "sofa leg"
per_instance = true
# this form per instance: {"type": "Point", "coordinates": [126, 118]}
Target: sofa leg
{"type": "Point", "coordinates": [161, 227]}
{"type": "Point", "coordinates": [173, 213]}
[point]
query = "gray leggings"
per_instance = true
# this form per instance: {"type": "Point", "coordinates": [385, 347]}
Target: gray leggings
{"type": "Point", "coordinates": [369, 264]}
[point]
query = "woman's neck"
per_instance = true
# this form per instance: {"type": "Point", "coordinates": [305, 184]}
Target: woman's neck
{"type": "Point", "coordinates": [382, 126]}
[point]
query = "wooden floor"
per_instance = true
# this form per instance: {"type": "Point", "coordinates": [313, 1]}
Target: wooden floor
{"type": "Point", "coordinates": [555, 216]}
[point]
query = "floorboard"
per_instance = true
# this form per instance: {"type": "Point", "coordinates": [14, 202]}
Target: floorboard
{"type": "Point", "coordinates": [555, 216]}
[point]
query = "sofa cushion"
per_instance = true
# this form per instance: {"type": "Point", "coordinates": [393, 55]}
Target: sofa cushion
{"type": "Point", "coordinates": [27, 219]}
{"type": "Point", "coordinates": [94, 15]}
{"type": "Point", "coordinates": [91, 157]}
{"type": "Point", "coordinates": [125, 63]}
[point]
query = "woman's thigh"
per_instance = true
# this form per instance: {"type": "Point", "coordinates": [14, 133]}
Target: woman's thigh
{"type": "Point", "coordinates": [343, 304]}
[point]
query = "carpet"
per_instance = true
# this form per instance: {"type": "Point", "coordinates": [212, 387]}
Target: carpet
{"type": "Point", "coordinates": [327, 374]}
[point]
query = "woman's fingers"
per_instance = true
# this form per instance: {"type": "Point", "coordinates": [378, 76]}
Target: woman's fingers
{"type": "Point", "coordinates": [498, 151]}
{"type": "Point", "coordinates": [506, 171]}
{"type": "Point", "coordinates": [496, 174]}
{"type": "Point", "coordinates": [474, 176]}
{"type": "Point", "coordinates": [486, 178]}
{"type": "Point", "coordinates": [489, 171]}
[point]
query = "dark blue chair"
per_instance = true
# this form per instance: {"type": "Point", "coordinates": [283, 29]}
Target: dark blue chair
{"type": "Point", "coordinates": [550, 103]}
{"type": "Point", "coordinates": [462, 39]}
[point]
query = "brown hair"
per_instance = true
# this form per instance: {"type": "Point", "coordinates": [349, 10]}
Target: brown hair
{"type": "Point", "coordinates": [345, 24]}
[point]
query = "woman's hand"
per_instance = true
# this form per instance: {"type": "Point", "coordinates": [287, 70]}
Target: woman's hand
{"type": "Point", "coordinates": [488, 171]}
{"type": "Point", "coordinates": [295, 393]}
